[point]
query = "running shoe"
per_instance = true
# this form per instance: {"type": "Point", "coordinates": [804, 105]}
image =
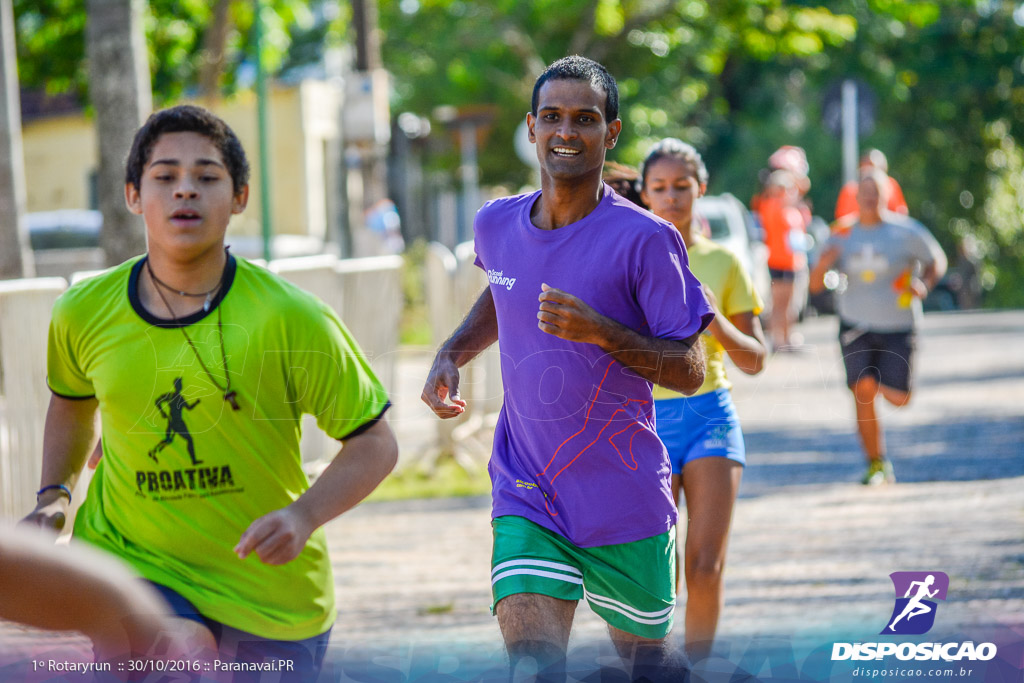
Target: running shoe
{"type": "Point", "coordinates": [879, 472]}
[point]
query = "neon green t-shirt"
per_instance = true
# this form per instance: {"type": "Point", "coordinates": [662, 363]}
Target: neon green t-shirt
{"type": "Point", "coordinates": [721, 271]}
{"type": "Point", "coordinates": [182, 474]}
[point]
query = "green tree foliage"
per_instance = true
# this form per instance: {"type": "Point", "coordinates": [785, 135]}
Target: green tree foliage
{"type": "Point", "coordinates": [51, 42]}
{"type": "Point", "coordinates": [948, 78]}
{"type": "Point", "coordinates": [674, 60]}
{"type": "Point", "coordinates": [957, 110]}
{"type": "Point", "coordinates": [679, 64]}
{"type": "Point", "coordinates": [739, 78]}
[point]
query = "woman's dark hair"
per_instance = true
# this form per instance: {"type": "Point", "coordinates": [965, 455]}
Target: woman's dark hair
{"type": "Point", "coordinates": [187, 118]}
{"type": "Point", "coordinates": [674, 148]}
{"type": "Point", "coordinates": [623, 180]}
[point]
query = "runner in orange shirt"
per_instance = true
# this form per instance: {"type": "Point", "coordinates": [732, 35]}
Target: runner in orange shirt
{"type": "Point", "coordinates": [785, 235]}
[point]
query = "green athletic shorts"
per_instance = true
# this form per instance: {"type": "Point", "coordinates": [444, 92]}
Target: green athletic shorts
{"type": "Point", "coordinates": [629, 585]}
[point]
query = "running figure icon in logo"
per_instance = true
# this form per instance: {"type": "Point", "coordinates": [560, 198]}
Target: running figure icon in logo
{"type": "Point", "coordinates": [916, 588]}
{"type": "Point", "coordinates": [176, 404]}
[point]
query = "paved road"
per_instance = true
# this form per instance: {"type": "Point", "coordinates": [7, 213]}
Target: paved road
{"type": "Point", "coordinates": [811, 549]}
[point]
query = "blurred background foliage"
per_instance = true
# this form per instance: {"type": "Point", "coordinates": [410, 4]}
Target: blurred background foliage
{"type": "Point", "coordinates": [738, 78]}
{"type": "Point", "coordinates": [188, 40]}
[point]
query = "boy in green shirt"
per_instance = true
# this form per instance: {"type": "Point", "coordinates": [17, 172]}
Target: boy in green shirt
{"type": "Point", "coordinates": [201, 366]}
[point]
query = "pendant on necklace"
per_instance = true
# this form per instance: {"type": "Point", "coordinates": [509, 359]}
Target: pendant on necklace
{"type": "Point", "coordinates": [230, 397]}
{"type": "Point", "coordinates": [206, 304]}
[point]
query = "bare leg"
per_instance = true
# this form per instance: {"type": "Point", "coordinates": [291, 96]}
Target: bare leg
{"type": "Point", "coordinates": [868, 426]}
{"type": "Point", "coordinates": [710, 485]}
{"type": "Point", "coordinates": [677, 484]}
{"type": "Point", "coordinates": [536, 626]}
{"type": "Point", "coordinates": [652, 660]}
{"type": "Point", "coordinates": [782, 297]}
{"type": "Point", "coordinates": [895, 396]}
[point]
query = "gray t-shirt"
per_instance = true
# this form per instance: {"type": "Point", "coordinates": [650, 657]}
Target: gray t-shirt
{"type": "Point", "coordinates": [878, 262]}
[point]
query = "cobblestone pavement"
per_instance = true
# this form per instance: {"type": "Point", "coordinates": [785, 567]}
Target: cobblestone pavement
{"type": "Point", "coordinates": [811, 549]}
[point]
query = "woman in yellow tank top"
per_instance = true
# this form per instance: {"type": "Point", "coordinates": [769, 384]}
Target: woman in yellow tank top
{"type": "Point", "coordinates": [702, 432]}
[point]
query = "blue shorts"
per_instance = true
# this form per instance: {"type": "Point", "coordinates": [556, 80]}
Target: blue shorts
{"type": "Point", "coordinates": [700, 427]}
{"type": "Point", "coordinates": [305, 657]}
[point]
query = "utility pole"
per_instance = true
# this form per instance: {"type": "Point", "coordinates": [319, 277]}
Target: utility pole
{"type": "Point", "coordinates": [366, 124]}
{"type": "Point", "coordinates": [364, 19]}
{"type": "Point", "coordinates": [850, 132]}
{"type": "Point", "coordinates": [263, 125]}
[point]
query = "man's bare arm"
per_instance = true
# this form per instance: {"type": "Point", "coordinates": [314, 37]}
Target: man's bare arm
{"type": "Point", "coordinates": [476, 332]}
{"type": "Point", "coordinates": [676, 365]}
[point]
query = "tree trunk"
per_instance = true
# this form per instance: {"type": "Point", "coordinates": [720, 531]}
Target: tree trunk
{"type": "Point", "coordinates": [215, 40]}
{"type": "Point", "coordinates": [120, 91]}
{"type": "Point", "coordinates": [15, 257]}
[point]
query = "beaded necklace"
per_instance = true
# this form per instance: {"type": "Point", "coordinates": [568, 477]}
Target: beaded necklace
{"type": "Point", "coordinates": [229, 395]}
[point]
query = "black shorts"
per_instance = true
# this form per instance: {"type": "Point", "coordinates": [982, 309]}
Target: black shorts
{"type": "Point", "coordinates": [782, 275]}
{"type": "Point", "coordinates": [885, 356]}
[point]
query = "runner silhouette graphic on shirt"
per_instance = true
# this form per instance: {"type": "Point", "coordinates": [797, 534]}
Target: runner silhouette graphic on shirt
{"type": "Point", "coordinates": [915, 606]}
{"type": "Point", "coordinates": [176, 403]}
{"type": "Point", "coordinates": [588, 438]}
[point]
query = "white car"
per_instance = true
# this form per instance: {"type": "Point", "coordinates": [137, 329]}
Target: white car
{"type": "Point", "coordinates": [732, 226]}
{"type": "Point", "coordinates": [70, 238]}
{"type": "Point", "coordinates": [64, 229]}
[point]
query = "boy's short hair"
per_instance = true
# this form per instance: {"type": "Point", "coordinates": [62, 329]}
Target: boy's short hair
{"type": "Point", "coordinates": [187, 118]}
{"type": "Point", "coordinates": [576, 68]}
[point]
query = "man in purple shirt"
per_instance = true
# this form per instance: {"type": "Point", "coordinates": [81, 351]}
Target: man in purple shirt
{"type": "Point", "coordinates": [592, 300]}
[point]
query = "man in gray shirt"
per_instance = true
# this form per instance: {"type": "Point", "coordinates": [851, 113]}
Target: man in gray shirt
{"type": "Point", "coordinates": [891, 262]}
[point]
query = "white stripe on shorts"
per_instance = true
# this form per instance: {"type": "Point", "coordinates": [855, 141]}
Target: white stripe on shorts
{"type": "Point", "coordinates": [537, 572]}
{"type": "Point", "coordinates": [659, 617]}
{"type": "Point", "coordinates": [537, 563]}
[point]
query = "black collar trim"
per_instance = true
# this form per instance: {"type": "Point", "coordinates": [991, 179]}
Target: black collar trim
{"type": "Point", "coordinates": [133, 296]}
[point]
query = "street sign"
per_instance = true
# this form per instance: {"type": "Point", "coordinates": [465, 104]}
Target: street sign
{"type": "Point", "coordinates": [832, 108]}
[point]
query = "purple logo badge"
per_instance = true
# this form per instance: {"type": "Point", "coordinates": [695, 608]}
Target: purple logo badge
{"type": "Point", "coordinates": [914, 612]}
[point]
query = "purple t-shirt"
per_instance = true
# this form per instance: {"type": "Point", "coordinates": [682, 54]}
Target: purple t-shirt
{"type": "Point", "coordinates": [575, 449]}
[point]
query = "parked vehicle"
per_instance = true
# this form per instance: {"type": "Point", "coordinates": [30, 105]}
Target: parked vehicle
{"type": "Point", "coordinates": [731, 225]}
{"type": "Point", "coordinates": [65, 241]}
{"type": "Point", "coordinates": [64, 229]}
{"type": "Point", "coordinates": [68, 240]}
